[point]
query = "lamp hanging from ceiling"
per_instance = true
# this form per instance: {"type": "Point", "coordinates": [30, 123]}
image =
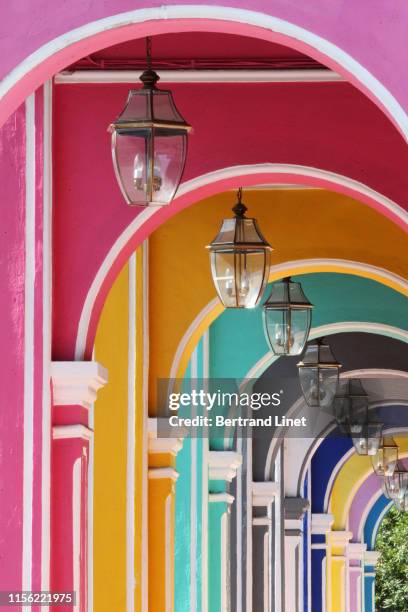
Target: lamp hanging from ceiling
{"type": "Point", "coordinates": [386, 458]}
{"type": "Point", "coordinates": [149, 143]}
{"type": "Point", "coordinates": [396, 486]}
{"type": "Point", "coordinates": [287, 316]}
{"type": "Point", "coordinates": [240, 260]}
{"type": "Point", "coordinates": [319, 374]}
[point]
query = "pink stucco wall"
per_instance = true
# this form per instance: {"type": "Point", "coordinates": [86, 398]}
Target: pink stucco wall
{"type": "Point", "coordinates": [12, 253]}
{"type": "Point", "coordinates": [371, 32]}
{"type": "Point", "coordinates": [335, 128]}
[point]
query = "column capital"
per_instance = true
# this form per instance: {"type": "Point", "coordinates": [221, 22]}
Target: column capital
{"type": "Point", "coordinates": [69, 432]}
{"type": "Point", "coordinates": [340, 538]}
{"type": "Point", "coordinates": [371, 557]}
{"type": "Point", "coordinates": [295, 508]}
{"type": "Point", "coordinates": [77, 382]}
{"type": "Point", "coordinates": [322, 523]}
{"type": "Point", "coordinates": [225, 498]}
{"type": "Point", "coordinates": [356, 551]}
{"type": "Point", "coordinates": [264, 493]}
{"type": "Point", "coordinates": [166, 445]}
{"type": "Point", "coordinates": [223, 465]}
{"type": "Point", "coordinates": [163, 473]}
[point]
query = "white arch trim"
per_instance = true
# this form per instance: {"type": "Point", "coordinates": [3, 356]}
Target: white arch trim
{"type": "Point", "coordinates": [302, 460]}
{"type": "Point", "coordinates": [325, 330]}
{"type": "Point", "coordinates": [253, 18]}
{"type": "Point", "coordinates": [224, 174]}
{"type": "Point", "coordinates": [364, 515]}
{"type": "Point", "coordinates": [378, 523]}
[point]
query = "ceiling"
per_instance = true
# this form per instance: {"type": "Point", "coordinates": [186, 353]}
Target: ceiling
{"type": "Point", "coordinates": [198, 50]}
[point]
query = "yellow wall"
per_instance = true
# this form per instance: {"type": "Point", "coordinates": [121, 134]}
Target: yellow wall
{"type": "Point", "coordinates": [115, 350]}
{"type": "Point", "coordinates": [299, 224]}
{"type": "Point", "coordinates": [110, 446]}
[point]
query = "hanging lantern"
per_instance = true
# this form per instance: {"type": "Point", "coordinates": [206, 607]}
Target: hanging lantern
{"type": "Point", "coordinates": [319, 375]}
{"type": "Point", "coordinates": [350, 404]}
{"type": "Point", "coordinates": [366, 437]}
{"type": "Point", "coordinates": [401, 504]}
{"type": "Point", "coordinates": [396, 486]}
{"type": "Point", "coordinates": [385, 459]}
{"type": "Point", "coordinates": [240, 260]}
{"type": "Point", "coordinates": [149, 144]}
{"type": "Point", "coordinates": [287, 316]}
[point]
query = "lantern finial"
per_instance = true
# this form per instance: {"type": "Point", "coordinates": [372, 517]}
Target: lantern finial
{"type": "Point", "coordinates": [239, 208]}
{"type": "Point", "coordinates": [149, 77]}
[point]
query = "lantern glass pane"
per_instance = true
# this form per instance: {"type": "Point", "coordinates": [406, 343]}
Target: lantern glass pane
{"type": "Point", "coordinates": [396, 486]}
{"type": "Point", "coordinates": [287, 329]}
{"type": "Point", "coordinates": [149, 164]}
{"type": "Point", "coordinates": [170, 147]}
{"type": "Point", "coordinates": [366, 437]}
{"type": "Point", "coordinates": [239, 277]}
{"type": "Point", "coordinates": [319, 385]}
{"type": "Point", "coordinates": [164, 108]}
{"type": "Point", "coordinates": [401, 504]}
{"type": "Point", "coordinates": [137, 106]}
{"type": "Point", "coordinates": [385, 460]}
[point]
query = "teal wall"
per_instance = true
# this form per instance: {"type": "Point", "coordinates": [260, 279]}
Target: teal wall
{"type": "Point", "coordinates": [236, 344]}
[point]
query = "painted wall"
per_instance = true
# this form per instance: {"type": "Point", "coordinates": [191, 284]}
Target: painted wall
{"type": "Point", "coordinates": [351, 35]}
{"type": "Point", "coordinates": [120, 451]}
{"type": "Point", "coordinates": [300, 136]}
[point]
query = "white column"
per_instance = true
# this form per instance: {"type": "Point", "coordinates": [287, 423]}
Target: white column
{"type": "Point", "coordinates": [321, 527]}
{"type": "Point", "coordinates": [355, 554]}
{"type": "Point", "coordinates": [264, 495]}
{"type": "Point", "coordinates": [223, 466]}
{"type": "Point", "coordinates": [295, 508]}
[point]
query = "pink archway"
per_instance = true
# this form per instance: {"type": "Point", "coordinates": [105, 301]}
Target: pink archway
{"type": "Point", "coordinates": [200, 188]}
{"type": "Point", "coordinates": [112, 28]}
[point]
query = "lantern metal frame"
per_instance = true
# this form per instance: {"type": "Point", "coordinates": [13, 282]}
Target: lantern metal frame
{"type": "Point", "coordinates": [149, 126]}
{"type": "Point", "coordinates": [237, 245]}
{"type": "Point", "coordinates": [351, 392]}
{"type": "Point", "coordinates": [382, 471]}
{"type": "Point", "coordinates": [389, 491]}
{"type": "Point", "coordinates": [320, 364]}
{"type": "Point", "coordinates": [287, 305]}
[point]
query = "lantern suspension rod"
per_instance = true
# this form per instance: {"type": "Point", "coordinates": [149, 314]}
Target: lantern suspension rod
{"type": "Point", "coordinates": [149, 52]}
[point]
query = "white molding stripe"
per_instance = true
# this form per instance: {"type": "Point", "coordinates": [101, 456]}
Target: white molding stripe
{"type": "Point", "coordinates": [77, 77]}
{"type": "Point", "coordinates": [378, 523]}
{"type": "Point", "coordinates": [204, 490]}
{"type": "Point", "coordinates": [163, 473]}
{"type": "Point", "coordinates": [76, 530]}
{"type": "Point", "coordinates": [47, 310]}
{"type": "Point", "coordinates": [223, 174]}
{"type": "Point", "coordinates": [349, 64]}
{"type": "Point", "coordinates": [90, 513]}
{"type": "Point", "coordinates": [67, 432]}
{"type": "Point", "coordinates": [144, 254]}
{"type": "Point", "coordinates": [364, 514]}
{"type": "Point", "coordinates": [330, 483]}
{"type": "Point", "coordinates": [239, 513]}
{"type": "Point", "coordinates": [131, 439]}
{"type": "Point", "coordinates": [77, 382]}
{"type": "Point", "coordinates": [29, 295]}
{"type": "Point", "coordinates": [182, 345]}
{"type": "Point", "coordinates": [225, 498]}
{"type": "Point", "coordinates": [193, 495]}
